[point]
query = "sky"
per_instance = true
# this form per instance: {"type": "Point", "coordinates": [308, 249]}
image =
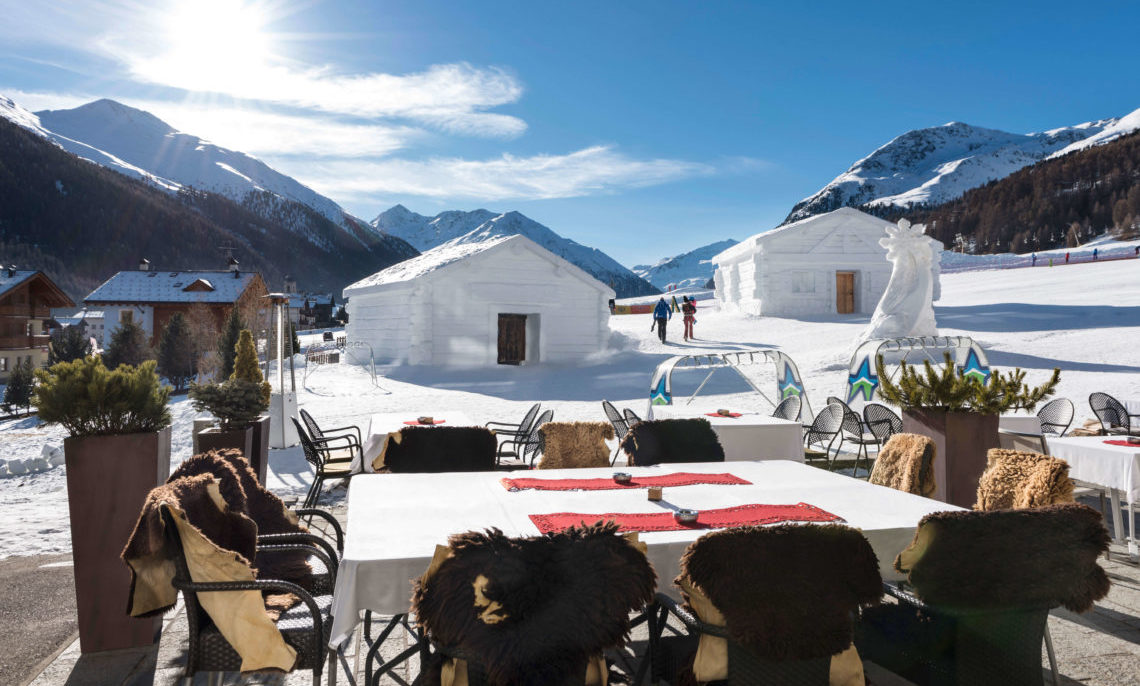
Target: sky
{"type": "Point", "coordinates": [643, 128]}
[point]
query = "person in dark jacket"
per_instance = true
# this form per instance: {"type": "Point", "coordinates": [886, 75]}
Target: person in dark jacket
{"type": "Point", "coordinates": [661, 316]}
{"type": "Point", "coordinates": [689, 309]}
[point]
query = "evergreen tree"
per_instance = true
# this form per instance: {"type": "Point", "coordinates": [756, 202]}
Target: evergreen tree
{"type": "Point", "coordinates": [296, 342]}
{"type": "Point", "coordinates": [68, 344]}
{"type": "Point", "coordinates": [128, 346]}
{"type": "Point", "coordinates": [245, 363]}
{"type": "Point", "coordinates": [21, 383]}
{"type": "Point", "coordinates": [227, 344]}
{"type": "Point", "coordinates": [176, 359]}
{"type": "Point", "coordinates": [342, 315]}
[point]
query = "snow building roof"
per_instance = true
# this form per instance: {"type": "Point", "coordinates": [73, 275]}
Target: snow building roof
{"type": "Point", "coordinates": [11, 278]}
{"type": "Point", "coordinates": [207, 286]}
{"type": "Point", "coordinates": [844, 216]}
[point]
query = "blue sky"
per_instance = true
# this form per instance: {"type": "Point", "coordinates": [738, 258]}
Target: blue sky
{"type": "Point", "coordinates": [641, 128]}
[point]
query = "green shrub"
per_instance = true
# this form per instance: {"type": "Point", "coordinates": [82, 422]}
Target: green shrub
{"type": "Point", "coordinates": [68, 344]}
{"type": "Point", "coordinates": [176, 352]}
{"type": "Point", "coordinates": [949, 389]}
{"type": "Point", "coordinates": [21, 386]}
{"type": "Point", "coordinates": [236, 403]}
{"type": "Point", "coordinates": [227, 343]}
{"type": "Point", "coordinates": [245, 364]}
{"type": "Point", "coordinates": [128, 346]}
{"type": "Point", "coordinates": [89, 400]}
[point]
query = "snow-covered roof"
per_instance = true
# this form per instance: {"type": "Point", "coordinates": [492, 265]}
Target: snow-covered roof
{"type": "Point", "coordinates": [9, 280]}
{"type": "Point", "coordinates": [844, 216]}
{"type": "Point", "coordinates": [161, 287]}
{"type": "Point", "coordinates": [297, 300]}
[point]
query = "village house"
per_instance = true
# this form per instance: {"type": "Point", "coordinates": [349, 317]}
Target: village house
{"type": "Point", "coordinates": [26, 299]}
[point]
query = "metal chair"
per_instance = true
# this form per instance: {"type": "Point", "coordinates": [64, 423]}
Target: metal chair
{"type": "Point", "coordinates": [350, 435]}
{"type": "Point", "coordinates": [515, 431]}
{"type": "Point", "coordinates": [1113, 416]}
{"type": "Point", "coordinates": [789, 408]}
{"type": "Point", "coordinates": [631, 417]}
{"type": "Point", "coordinates": [825, 430]}
{"type": "Point", "coordinates": [1056, 416]}
{"type": "Point", "coordinates": [854, 432]}
{"type": "Point", "coordinates": [671, 440]}
{"type": "Point", "coordinates": [526, 448]}
{"type": "Point", "coordinates": [620, 424]}
{"type": "Point", "coordinates": [328, 463]}
{"type": "Point", "coordinates": [882, 422]}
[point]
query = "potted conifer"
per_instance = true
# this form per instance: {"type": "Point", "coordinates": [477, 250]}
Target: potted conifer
{"type": "Point", "coordinates": [960, 413]}
{"type": "Point", "coordinates": [246, 367]}
{"type": "Point", "coordinates": [117, 451]}
{"type": "Point", "coordinates": [238, 403]}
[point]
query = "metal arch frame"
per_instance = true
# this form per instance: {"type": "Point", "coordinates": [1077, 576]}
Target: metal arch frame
{"type": "Point", "coordinates": [862, 383]}
{"type": "Point", "coordinates": [788, 379]}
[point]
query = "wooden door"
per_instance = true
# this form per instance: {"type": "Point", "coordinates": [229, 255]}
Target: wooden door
{"type": "Point", "coordinates": [844, 292]}
{"type": "Point", "coordinates": [512, 338]}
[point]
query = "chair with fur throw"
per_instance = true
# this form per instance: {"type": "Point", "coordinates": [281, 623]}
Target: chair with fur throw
{"type": "Point", "coordinates": [575, 444]}
{"type": "Point", "coordinates": [983, 584]}
{"type": "Point", "coordinates": [906, 463]}
{"type": "Point", "coordinates": [655, 441]}
{"type": "Point", "coordinates": [768, 605]}
{"type": "Point", "coordinates": [1017, 479]}
{"type": "Point", "coordinates": [531, 611]}
{"type": "Point", "coordinates": [434, 449]}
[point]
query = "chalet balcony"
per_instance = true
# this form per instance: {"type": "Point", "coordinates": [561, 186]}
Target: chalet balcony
{"type": "Point", "coordinates": [26, 311]}
{"type": "Point", "coordinates": [23, 342]}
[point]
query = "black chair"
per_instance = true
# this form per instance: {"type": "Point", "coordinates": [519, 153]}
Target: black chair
{"type": "Point", "coordinates": [526, 448]}
{"type": "Point", "coordinates": [1056, 416]}
{"type": "Point", "coordinates": [515, 431]}
{"type": "Point", "coordinates": [789, 408]}
{"type": "Point", "coordinates": [1113, 416]}
{"type": "Point", "coordinates": [657, 441]}
{"type": "Point", "coordinates": [854, 432]}
{"type": "Point", "coordinates": [435, 449]}
{"type": "Point", "coordinates": [882, 422]}
{"type": "Point", "coordinates": [328, 463]}
{"type": "Point", "coordinates": [305, 626]}
{"type": "Point", "coordinates": [620, 424]}
{"type": "Point", "coordinates": [631, 417]}
{"type": "Point", "coordinates": [826, 431]}
{"type": "Point", "coordinates": [348, 436]}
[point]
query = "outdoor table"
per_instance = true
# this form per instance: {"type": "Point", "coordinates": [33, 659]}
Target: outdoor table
{"type": "Point", "coordinates": [751, 436]}
{"type": "Point", "coordinates": [1114, 467]}
{"type": "Point", "coordinates": [384, 423]}
{"type": "Point", "coordinates": [395, 521]}
{"type": "Point", "coordinates": [1028, 424]}
{"type": "Point", "coordinates": [1131, 405]}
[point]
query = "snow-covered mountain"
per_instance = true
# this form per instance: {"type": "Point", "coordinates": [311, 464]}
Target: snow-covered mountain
{"type": "Point", "coordinates": [938, 164]}
{"type": "Point", "coordinates": [690, 270]}
{"type": "Point", "coordinates": [458, 227]}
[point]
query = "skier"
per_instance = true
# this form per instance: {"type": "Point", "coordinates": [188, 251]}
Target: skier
{"type": "Point", "coordinates": [1066, 258]}
{"type": "Point", "coordinates": [1095, 252]}
{"type": "Point", "coordinates": [689, 309]}
{"type": "Point", "coordinates": [1034, 259]}
{"type": "Point", "coordinates": [661, 316]}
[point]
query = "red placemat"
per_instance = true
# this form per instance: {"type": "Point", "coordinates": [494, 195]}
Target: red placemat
{"type": "Point", "coordinates": [741, 515]}
{"type": "Point", "coordinates": [675, 479]}
{"type": "Point", "coordinates": [734, 415]}
{"type": "Point", "coordinates": [416, 423]}
{"type": "Point", "coordinates": [1126, 444]}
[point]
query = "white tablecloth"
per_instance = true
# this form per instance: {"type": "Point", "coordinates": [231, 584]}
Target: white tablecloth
{"type": "Point", "coordinates": [1020, 423]}
{"type": "Point", "coordinates": [396, 520]}
{"type": "Point", "coordinates": [752, 436]}
{"type": "Point", "coordinates": [1131, 405]}
{"type": "Point", "coordinates": [384, 423]}
{"type": "Point", "coordinates": [1093, 461]}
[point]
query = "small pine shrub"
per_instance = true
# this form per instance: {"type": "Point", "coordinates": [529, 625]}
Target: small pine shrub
{"type": "Point", "coordinates": [227, 343]}
{"type": "Point", "coordinates": [236, 403]}
{"type": "Point", "coordinates": [87, 399]}
{"type": "Point", "coordinates": [948, 389]}
{"type": "Point", "coordinates": [128, 346]}
{"type": "Point", "coordinates": [68, 344]}
{"type": "Point", "coordinates": [246, 366]}
{"type": "Point", "coordinates": [21, 386]}
{"type": "Point", "coordinates": [176, 352]}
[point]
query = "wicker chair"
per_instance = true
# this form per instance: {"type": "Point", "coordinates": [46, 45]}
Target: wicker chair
{"type": "Point", "coordinates": [882, 422]}
{"type": "Point", "coordinates": [305, 627]}
{"type": "Point", "coordinates": [526, 448]}
{"type": "Point", "coordinates": [515, 431]}
{"type": "Point", "coordinates": [826, 431]}
{"type": "Point", "coordinates": [1056, 416]}
{"type": "Point", "coordinates": [1113, 416]}
{"type": "Point", "coordinates": [348, 436]}
{"type": "Point", "coordinates": [789, 408]}
{"type": "Point", "coordinates": [328, 463]}
{"type": "Point", "coordinates": [658, 441]}
{"type": "Point", "coordinates": [853, 432]}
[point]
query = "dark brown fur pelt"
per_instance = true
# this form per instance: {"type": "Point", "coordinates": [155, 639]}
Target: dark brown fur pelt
{"type": "Point", "coordinates": [433, 449]}
{"type": "Point", "coordinates": [906, 463]}
{"type": "Point", "coordinates": [1009, 558]}
{"type": "Point", "coordinates": [672, 440]}
{"type": "Point", "coordinates": [1016, 479]}
{"type": "Point", "coordinates": [575, 444]}
{"type": "Point", "coordinates": [565, 597]}
{"type": "Point", "coordinates": [787, 592]}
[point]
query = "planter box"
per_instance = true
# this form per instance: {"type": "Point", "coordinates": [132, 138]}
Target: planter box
{"type": "Point", "coordinates": [962, 440]}
{"type": "Point", "coordinates": [108, 479]}
{"type": "Point", "coordinates": [201, 425]}
{"type": "Point", "coordinates": [259, 457]}
{"type": "Point", "coordinates": [215, 438]}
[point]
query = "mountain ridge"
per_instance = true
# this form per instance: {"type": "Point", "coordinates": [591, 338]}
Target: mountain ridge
{"type": "Point", "coordinates": [687, 270]}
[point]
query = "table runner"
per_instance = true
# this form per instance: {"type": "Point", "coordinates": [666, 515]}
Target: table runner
{"type": "Point", "coordinates": [675, 479]}
{"type": "Point", "coordinates": [418, 423]}
{"type": "Point", "coordinates": [733, 415]}
{"type": "Point", "coordinates": [741, 515]}
{"type": "Point", "coordinates": [1125, 444]}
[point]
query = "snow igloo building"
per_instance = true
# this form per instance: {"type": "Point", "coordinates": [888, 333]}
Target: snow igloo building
{"type": "Point", "coordinates": [827, 264]}
{"type": "Point", "coordinates": [502, 301]}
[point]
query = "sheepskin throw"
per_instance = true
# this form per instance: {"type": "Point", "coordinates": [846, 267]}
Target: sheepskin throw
{"type": "Point", "coordinates": [672, 440]}
{"type": "Point", "coordinates": [786, 592]}
{"type": "Point", "coordinates": [1016, 479]}
{"type": "Point", "coordinates": [1044, 556]}
{"type": "Point", "coordinates": [432, 449]}
{"type": "Point", "coordinates": [534, 611]}
{"type": "Point", "coordinates": [575, 444]}
{"type": "Point", "coordinates": [906, 463]}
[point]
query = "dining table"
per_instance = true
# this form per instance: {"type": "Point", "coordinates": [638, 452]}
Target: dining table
{"type": "Point", "coordinates": [383, 423]}
{"type": "Point", "coordinates": [395, 521]}
{"type": "Point", "coordinates": [1108, 462]}
{"type": "Point", "coordinates": [746, 435]}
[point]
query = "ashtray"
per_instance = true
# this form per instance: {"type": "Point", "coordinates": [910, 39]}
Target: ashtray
{"type": "Point", "coordinates": [724, 413]}
{"type": "Point", "coordinates": [425, 420]}
{"type": "Point", "coordinates": [685, 516]}
{"type": "Point", "coordinates": [1134, 440]}
{"type": "Point", "coordinates": [622, 477]}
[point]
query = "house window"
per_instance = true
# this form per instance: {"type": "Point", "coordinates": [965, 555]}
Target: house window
{"type": "Point", "coordinates": [126, 316]}
{"type": "Point", "coordinates": [3, 364]}
{"type": "Point", "coordinates": [803, 282]}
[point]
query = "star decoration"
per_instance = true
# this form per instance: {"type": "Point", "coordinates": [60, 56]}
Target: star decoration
{"type": "Point", "coordinates": [973, 368]}
{"type": "Point", "coordinates": [863, 380]}
{"type": "Point", "coordinates": [790, 386]}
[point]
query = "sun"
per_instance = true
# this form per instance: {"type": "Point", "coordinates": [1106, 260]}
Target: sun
{"type": "Point", "coordinates": [214, 44]}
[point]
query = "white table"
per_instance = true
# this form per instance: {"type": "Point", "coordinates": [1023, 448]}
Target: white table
{"type": "Point", "coordinates": [751, 436]}
{"type": "Point", "coordinates": [1114, 467]}
{"type": "Point", "coordinates": [396, 520]}
{"type": "Point", "coordinates": [1131, 405]}
{"type": "Point", "coordinates": [384, 423]}
{"type": "Point", "coordinates": [1020, 423]}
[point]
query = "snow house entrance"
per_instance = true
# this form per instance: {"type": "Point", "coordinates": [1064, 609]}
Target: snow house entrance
{"type": "Point", "coordinates": [845, 292]}
{"type": "Point", "coordinates": [512, 338]}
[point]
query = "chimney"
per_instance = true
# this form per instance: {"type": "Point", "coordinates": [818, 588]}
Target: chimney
{"type": "Point", "coordinates": [11, 270]}
{"type": "Point", "coordinates": [144, 265]}
{"type": "Point", "coordinates": [232, 264]}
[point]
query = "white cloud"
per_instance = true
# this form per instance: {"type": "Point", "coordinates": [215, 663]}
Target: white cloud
{"type": "Point", "coordinates": [589, 171]}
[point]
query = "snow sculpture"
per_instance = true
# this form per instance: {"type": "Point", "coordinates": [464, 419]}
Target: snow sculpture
{"type": "Point", "coordinates": [906, 308]}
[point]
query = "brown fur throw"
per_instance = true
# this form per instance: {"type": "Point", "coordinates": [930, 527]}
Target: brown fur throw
{"type": "Point", "coordinates": [906, 463]}
{"type": "Point", "coordinates": [672, 440]}
{"type": "Point", "coordinates": [1016, 479]}
{"type": "Point", "coordinates": [786, 592]}
{"type": "Point", "coordinates": [575, 444]}
{"type": "Point", "coordinates": [555, 601]}
{"type": "Point", "coordinates": [433, 449]}
{"type": "Point", "coordinates": [1009, 558]}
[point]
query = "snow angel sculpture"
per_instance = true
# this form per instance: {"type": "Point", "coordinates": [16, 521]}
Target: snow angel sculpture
{"type": "Point", "coordinates": [906, 308]}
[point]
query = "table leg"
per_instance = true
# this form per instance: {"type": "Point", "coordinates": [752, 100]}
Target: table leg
{"type": "Point", "coordinates": [1133, 548]}
{"type": "Point", "coordinates": [1117, 519]}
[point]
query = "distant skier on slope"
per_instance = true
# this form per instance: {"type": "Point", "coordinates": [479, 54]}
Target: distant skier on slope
{"type": "Point", "coordinates": [661, 316]}
{"type": "Point", "coordinates": [1096, 252]}
{"type": "Point", "coordinates": [689, 309]}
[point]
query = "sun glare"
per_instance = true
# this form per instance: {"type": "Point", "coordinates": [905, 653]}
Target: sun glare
{"type": "Point", "coordinates": [215, 44]}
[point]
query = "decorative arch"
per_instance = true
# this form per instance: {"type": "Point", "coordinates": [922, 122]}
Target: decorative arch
{"type": "Point", "coordinates": [863, 383]}
{"type": "Point", "coordinates": [788, 380]}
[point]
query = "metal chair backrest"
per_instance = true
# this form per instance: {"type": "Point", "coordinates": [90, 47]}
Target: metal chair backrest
{"type": "Point", "coordinates": [852, 422]}
{"type": "Point", "coordinates": [312, 454]}
{"type": "Point", "coordinates": [1110, 411]}
{"type": "Point", "coordinates": [621, 427]}
{"type": "Point", "coordinates": [1056, 416]}
{"type": "Point", "coordinates": [881, 421]}
{"type": "Point", "coordinates": [527, 422]}
{"type": "Point", "coordinates": [825, 426]}
{"type": "Point", "coordinates": [534, 438]}
{"type": "Point", "coordinates": [631, 417]}
{"type": "Point", "coordinates": [789, 408]}
{"type": "Point", "coordinates": [311, 425]}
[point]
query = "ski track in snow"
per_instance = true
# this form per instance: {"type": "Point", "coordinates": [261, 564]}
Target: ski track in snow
{"type": "Point", "coordinates": [1032, 318]}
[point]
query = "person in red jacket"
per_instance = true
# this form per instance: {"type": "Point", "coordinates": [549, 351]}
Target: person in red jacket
{"type": "Point", "coordinates": [689, 309]}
